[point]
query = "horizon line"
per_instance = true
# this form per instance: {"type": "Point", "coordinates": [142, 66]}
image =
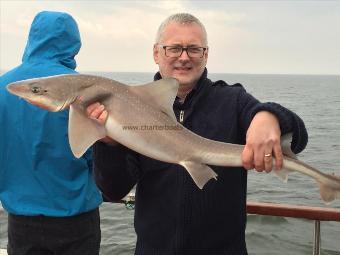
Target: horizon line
{"type": "Point", "coordinates": [3, 71]}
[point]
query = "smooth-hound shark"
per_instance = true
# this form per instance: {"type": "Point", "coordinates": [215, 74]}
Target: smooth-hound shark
{"type": "Point", "coordinates": [132, 110]}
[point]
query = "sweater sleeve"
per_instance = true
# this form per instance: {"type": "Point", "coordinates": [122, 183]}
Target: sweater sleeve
{"type": "Point", "coordinates": [116, 170]}
{"type": "Point", "coordinates": [288, 120]}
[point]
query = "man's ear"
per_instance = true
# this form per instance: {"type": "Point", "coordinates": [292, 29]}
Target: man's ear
{"type": "Point", "coordinates": [155, 53]}
{"type": "Point", "coordinates": [206, 54]}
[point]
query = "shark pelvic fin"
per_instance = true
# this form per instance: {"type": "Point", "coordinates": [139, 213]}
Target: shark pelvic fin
{"type": "Point", "coordinates": [82, 131]}
{"type": "Point", "coordinates": [160, 94]}
{"type": "Point", "coordinates": [199, 172]}
{"type": "Point", "coordinates": [286, 141]}
{"type": "Point", "coordinates": [282, 174]}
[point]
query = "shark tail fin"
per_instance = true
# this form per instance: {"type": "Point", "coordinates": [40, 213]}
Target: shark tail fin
{"type": "Point", "coordinates": [327, 193]}
{"type": "Point", "coordinates": [200, 173]}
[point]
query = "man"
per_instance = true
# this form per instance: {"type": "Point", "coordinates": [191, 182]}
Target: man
{"type": "Point", "coordinates": [172, 216]}
{"type": "Point", "coordinates": [50, 196]}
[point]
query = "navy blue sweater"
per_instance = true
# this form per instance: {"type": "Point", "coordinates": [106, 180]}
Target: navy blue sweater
{"type": "Point", "coordinates": [173, 216]}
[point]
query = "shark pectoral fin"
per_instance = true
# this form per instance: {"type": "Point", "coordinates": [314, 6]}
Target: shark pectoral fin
{"type": "Point", "coordinates": [160, 94]}
{"type": "Point", "coordinates": [286, 141]}
{"type": "Point", "coordinates": [327, 193]}
{"type": "Point", "coordinates": [200, 173]}
{"type": "Point", "coordinates": [282, 174]}
{"type": "Point", "coordinates": [82, 131]}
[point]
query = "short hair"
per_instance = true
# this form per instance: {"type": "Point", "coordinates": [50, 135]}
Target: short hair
{"type": "Point", "coordinates": [181, 18]}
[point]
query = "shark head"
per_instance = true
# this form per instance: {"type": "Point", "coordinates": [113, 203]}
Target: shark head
{"type": "Point", "coordinates": [53, 93]}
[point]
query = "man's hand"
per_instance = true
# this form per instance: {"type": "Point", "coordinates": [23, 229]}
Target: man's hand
{"type": "Point", "coordinates": [262, 143]}
{"type": "Point", "coordinates": [97, 112]}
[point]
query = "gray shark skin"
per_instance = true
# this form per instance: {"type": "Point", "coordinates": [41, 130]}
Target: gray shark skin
{"type": "Point", "coordinates": [141, 118]}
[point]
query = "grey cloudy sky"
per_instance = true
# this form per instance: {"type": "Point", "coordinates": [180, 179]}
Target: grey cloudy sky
{"type": "Point", "coordinates": [290, 37]}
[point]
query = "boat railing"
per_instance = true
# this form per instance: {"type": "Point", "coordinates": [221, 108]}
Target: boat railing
{"type": "Point", "coordinates": [317, 214]}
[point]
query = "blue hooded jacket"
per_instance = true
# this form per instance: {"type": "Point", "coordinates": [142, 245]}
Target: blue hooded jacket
{"type": "Point", "coordinates": [38, 173]}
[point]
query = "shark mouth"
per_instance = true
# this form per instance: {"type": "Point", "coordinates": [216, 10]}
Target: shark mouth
{"type": "Point", "coordinates": [44, 106]}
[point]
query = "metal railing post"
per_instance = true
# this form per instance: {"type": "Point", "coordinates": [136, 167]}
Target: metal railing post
{"type": "Point", "coordinates": [317, 238]}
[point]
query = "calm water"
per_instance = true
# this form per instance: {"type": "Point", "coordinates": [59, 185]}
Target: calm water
{"type": "Point", "coordinates": [317, 100]}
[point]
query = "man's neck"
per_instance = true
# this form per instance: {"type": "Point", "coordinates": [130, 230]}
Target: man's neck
{"type": "Point", "coordinates": [183, 91]}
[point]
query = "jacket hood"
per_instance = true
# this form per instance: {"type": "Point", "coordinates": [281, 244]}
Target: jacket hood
{"type": "Point", "coordinates": [54, 36]}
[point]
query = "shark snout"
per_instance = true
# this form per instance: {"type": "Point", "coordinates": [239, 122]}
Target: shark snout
{"type": "Point", "coordinates": [18, 89]}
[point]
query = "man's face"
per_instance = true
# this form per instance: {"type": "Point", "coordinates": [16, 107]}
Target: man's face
{"type": "Point", "coordinates": [185, 69]}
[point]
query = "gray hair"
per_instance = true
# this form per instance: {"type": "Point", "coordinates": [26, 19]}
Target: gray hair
{"type": "Point", "coordinates": [181, 18]}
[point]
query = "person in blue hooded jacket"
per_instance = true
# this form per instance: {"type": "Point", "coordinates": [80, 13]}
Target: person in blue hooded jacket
{"type": "Point", "coordinates": [50, 196]}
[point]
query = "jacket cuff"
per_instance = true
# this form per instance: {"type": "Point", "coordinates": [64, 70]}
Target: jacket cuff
{"type": "Point", "coordinates": [283, 115]}
{"type": "Point", "coordinates": [289, 122]}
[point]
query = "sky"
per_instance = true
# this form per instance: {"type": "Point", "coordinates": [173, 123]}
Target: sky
{"type": "Point", "coordinates": [257, 37]}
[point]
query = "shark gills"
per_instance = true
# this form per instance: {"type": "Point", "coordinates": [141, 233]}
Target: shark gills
{"type": "Point", "coordinates": [142, 119]}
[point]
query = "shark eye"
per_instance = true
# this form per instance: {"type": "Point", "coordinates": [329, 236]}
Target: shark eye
{"type": "Point", "coordinates": [35, 90]}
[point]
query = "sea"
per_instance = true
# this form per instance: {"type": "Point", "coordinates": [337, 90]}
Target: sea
{"type": "Point", "coordinates": [316, 99]}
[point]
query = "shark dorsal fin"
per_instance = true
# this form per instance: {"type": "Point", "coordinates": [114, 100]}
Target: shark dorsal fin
{"type": "Point", "coordinates": [286, 141]}
{"type": "Point", "coordinates": [160, 94]}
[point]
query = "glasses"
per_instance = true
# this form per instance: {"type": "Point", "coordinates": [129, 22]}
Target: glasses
{"type": "Point", "coordinates": [177, 51]}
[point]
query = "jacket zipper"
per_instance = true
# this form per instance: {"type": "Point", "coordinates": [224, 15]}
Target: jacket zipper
{"type": "Point", "coordinates": [181, 116]}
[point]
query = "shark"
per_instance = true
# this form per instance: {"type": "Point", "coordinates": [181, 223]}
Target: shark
{"type": "Point", "coordinates": [142, 119]}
